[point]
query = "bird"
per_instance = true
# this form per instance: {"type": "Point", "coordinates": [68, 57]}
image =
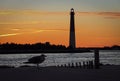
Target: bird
{"type": "Point", "coordinates": [36, 60]}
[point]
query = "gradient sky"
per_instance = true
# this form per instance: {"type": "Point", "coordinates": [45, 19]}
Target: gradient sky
{"type": "Point", "coordinates": [29, 21]}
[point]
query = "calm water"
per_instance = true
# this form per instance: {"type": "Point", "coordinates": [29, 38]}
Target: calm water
{"type": "Point", "coordinates": [106, 57]}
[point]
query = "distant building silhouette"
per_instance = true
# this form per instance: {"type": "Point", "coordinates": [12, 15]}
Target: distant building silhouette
{"type": "Point", "coordinates": [72, 43]}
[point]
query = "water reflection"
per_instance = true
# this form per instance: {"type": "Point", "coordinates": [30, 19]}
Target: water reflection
{"type": "Point", "coordinates": [61, 58]}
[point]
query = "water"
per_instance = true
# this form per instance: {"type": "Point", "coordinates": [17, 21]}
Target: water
{"type": "Point", "coordinates": [106, 57]}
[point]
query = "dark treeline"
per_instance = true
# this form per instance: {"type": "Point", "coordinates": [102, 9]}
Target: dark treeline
{"type": "Point", "coordinates": [114, 47]}
{"type": "Point", "coordinates": [36, 46]}
{"type": "Point", "coordinates": [29, 48]}
{"type": "Point", "coordinates": [47, 48]}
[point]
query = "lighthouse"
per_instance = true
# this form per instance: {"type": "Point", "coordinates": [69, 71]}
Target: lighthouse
{"type": "Point", "coordinates": [72, 43]}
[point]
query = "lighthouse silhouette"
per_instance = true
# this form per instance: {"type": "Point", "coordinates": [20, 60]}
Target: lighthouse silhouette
{"type": "Point", "coordinates": [72, 43]}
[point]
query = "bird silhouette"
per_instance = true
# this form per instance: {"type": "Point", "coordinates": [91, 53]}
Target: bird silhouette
{"type": "Point", "coordinates": [36, 60]}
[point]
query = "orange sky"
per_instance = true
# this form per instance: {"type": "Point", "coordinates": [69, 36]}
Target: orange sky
{"type": "Point", "coordinates": [32, 26]}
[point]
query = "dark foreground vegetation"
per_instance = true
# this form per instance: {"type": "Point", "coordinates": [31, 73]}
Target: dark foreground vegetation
{"type": "Point", "coordinates": [46, 48]}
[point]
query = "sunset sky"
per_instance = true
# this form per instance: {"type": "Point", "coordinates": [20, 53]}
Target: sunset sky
{"type": "Point", "coordinates": [97, 22]}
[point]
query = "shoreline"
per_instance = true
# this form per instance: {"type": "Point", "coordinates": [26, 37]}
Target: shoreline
{"type": "Point", "coordinates": [43, 51]}
{"type": "Point", "coordinates": [49, 51]}
{"type": "Point", "coordinates": [105, 73]}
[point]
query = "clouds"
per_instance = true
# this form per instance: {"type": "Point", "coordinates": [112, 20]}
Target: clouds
{"type": "Point", "coordinates": [19, 23]}
{"type": "Point", "coordinates": [29, 31]}
{"type": "Point", "coordinates": [46, 13]}
{"type": "Point", "coordinates": [100, 13]}
{"type": "Point", "coordinates": [42, 18]}
{"type": "Point", "coordinates": [39, 13]}
{"type": "Point", "coordinates": [105, 15]}
{"type": "Point", "coordinates": [15, 29]}
{"type": "Point", "coordinates": [29, 12]}
{"type": "Point", "coordinates": [12, 34]}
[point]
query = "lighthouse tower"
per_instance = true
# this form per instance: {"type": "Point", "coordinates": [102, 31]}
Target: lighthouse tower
{"type": "Point", "coordinates": [72, 43]}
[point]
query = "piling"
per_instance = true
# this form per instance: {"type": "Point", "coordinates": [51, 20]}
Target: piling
{"type": "Point", "coordinates": [96, 60]}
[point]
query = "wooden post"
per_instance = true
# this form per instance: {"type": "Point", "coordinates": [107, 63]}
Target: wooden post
{"type": "Point", "coordinates": [96, 61]}
{"type": "Point", "coordinates": [80, 65]}
{"type": "Point", "coordinates": [72, 65]}
{"type": "Point", "coordinates": [92, 64]}
{"type": "Point", "coordinates": [84, 65]}
{"type": "Point", "coordinates": [69, 65]}
{"type": "Point", "coordinates": [87, 65]}
{"type": "Point", "coordinates": [76, 65]}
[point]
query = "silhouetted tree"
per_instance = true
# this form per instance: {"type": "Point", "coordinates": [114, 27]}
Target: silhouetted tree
{"type": "Point", "coordinates": [37, 47]}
